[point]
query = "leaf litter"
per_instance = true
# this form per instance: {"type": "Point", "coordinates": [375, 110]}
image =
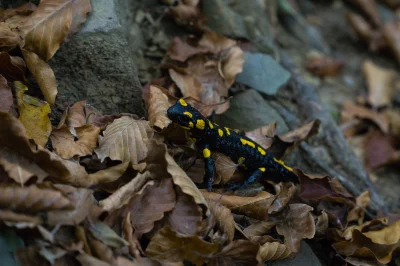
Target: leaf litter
{"type": "Point", "coordinates": [136, 204]}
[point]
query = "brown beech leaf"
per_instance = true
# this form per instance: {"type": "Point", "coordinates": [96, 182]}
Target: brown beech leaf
{"type": "Point", "coordinates": [273, 251]}
{"type": "Point", "coordinates": [264, 135]}
{"type": "Point", "coordinates": [87, 260]}
{"type": "Point", "coordinates": [123, 194]}
{"type": "Point", "coordinates": [239, 252]}
{"type": "Point", "coordinates": [215, 43]}
{"type": "Point", "coordinates": [13, 68]}
{"type": "Point", "coordinates": [387, 236]}
{"type": "Point", "coordinates": [299, 134]}
{"type": "Point", "coordinates": [160, 195]}
{"type": "Point", "coordinates": [284, 192]}
{"type": "Point", "coordinates": [48, 26]}
{"type": "Point", "coordinates": [357, 213]}
{"type": "Point", "coordinates": [322, 224]}
{"type": "Point", "coordinates": [18, 220]}
{"type": "Point", "coordinates": [324, 66]}
{"type": "Point", "coordinates": [9, 37]}
{"type": "Point", "coordinates": [391, 33]}
{"type": "Point", "coordinates": [66, 146]}
{"type": "Point", "coordinates": [380, 83]}
{"type": "Point", "coordinates": [225, 222]}
{"type": "Point", "coordinates": [186, 216]}
{"type": "Point", "coordinates": [32, 199]}
{"type": "Point", "coordinates": [347, 234]}
{"type": "Point", "coordinates": [181, 51]}
{"type": "Point", "coordinates": [169, 246]}
{"type": "Point", "coordinates": [127, 232]}
{"type": "Point", "coordinates": [231, 65]}
{"type": "Point", "coordinates": [185, 13]}
{"type": "Point", "coordinates": [356, 111]}
{"type": "Point", "coordinates": [109, 174]}
{"type": "Point", "coordinates": [84, 206]}
{"type": "Point", "coordinates": [43, 74]}
{"type": "Point", "coordinates": [78, 115]}
{"type": "Point", "coordinates": [362, 246]}
{"type": "Point", "coordinates": [101, 250]}
{"type": "Point", "coordinates": [34, 115]}
{"type": "Point", "coordinates": [190, 86]}
{"type": "Point", "coordinates": [380, 150]}
{"type": "Point", "coordinates": [296, 223]}
{"type": "Point", "coordinates": [369, 8]}
{"type": "Point", "coordinates": [6, 98]}
{"type": "Point", "coordinates": [22, 10]}
{"type": "Point", "coordinates": [124, 140]}
{"type": "Point", "coordinates": [157, 109]}
{"type": "Point", "coordinates": [320, 187]}
{"type": "Point", "coordinates": [105, 234]}
{"type": "Point", "coordinates": [224, 167]}
{"type": "Point", "coordinates": [258, 228]}
{"type": "Point", "coordinates": [254, 207]}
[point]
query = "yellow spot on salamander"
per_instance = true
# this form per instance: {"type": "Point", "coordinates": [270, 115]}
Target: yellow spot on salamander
{"type": "Point", "coordinates": [210, 124]}
{"type": "Point", "coordinates": [206, 153]}
{"type": "Point", "coordinates": [227, 131]}
{"type": "Point", "coordinates": [251, 144]}
{"type": "Point", "coordinates": [182, 102]}
{"type": "Point", "coordinates": [189, 114]}
{"type": "Point", "coordinates": [261, 150]}
{"type": "Point", "coordinates": [191, 124]}
{"type": "Point", "coordinates": [220, 132]}
{"type": "Point", "coordinates": [200, 124]}
{"type": "Point", "coordinates": [243, 141]}
{"type": "Point", "coordinates": [283, 164]}
{"type": "Point", "coordinates": [262, 169]}
{"type": "Point", "coordinates": [241, 160]}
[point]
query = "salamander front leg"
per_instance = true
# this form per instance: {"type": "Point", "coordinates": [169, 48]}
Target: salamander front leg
{"type": "Point", "coordinates": [209, 168]}
{"type": "Point", "coordinates": [254, 177]}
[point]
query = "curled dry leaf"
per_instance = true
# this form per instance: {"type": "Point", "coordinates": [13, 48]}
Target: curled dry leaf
{"type": "Point", "coordinates": [48, 26]}
{"type": "Point", "coordinates": [22, 10]}
{"type": "Point", "coordinates": [104, 233]}
{"type": "Point", "coordinates": [32, 199]}
{"type": "Point", "coordinates": [258, 228]}
{"type": "Point", "coordinates": [347, 234]}
{"type": "Point", "coordinates": [324, 66]}
{"type": "Point", "coordinates": [78, 115]}
{"type": "Point", "coordinates": [380, 150]}
{"type": "Point", "coordinates": [185, 13]}
{"type": "Point", "coordinates": [225, 222]}
{"type": "Point", "coordinates": [34, 115]}
{"type": "Point", "coordinates": [189, 85]}
{"type": "Point", "coordinates": [224, 167]}
{"type": "Point", "coordinates": [87, 260]}
{"type": "Point", "coordinates": [66, 146]}
{"type": "Point", "coordinates": [264, 135]}
{"type": "Point", "coordinates": [231, 65]}
{"type": "Point", "coordinates": [43, 74]}
{"type": "Point", "coordinates": [101, 250]}
{"type": "Point", "coordinates": [9, 38]}
{"type": "Point", "coordinates": [124, 140]}
{"type": "Point", "coordinates": [380, 83]}
{"type": "Point", "coordinates": [369, 8]}
{"type": "Point", "coordinates": [169, 246]}
{"type": "Point", "coordinates": [123, 194]}
{"type": "Point", "coordinates": [254, 207]}
{"type": "Point", "coordinates": [160, 195]}
{"type": "Point", "coordinates": [109, 174]}
{"type": "Point", "coordinates": [357, 213]}
{"type": "Point", "coordinates": [284, 192]}
{"type": "Point", "coordinates": [322, 223]}
{"type": "Point", "coordinates": [19, 220]}
{"type": "Point", "coordinates": [181, 51]}
{"type": "Point", "coordinates": [239, 252]}
{"type": "Point", "coordinates": [6, 98]}
{"type": "Point", "coordinates": [186, 216]}
{"type": "Point", "coordinates": [13, 68]}
{"type": "Point", "coordinates": [157, 109]}
{"type": "Point", "coordinates": [134, 246]}
{"type": "Point", "coordinates": [391, 33]}
{"type": "Point", "coordinates": [295, 223]}
{"type": "Point", "coordinates": [273, 251]}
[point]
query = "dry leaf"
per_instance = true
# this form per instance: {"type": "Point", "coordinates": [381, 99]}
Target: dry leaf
{"type": "Point", "coordinates": [324, 66]}
{"type": "Point", "coordinates": [123, 194]}
{"type": "Point", "coordinates": [101, 250]}
{"type": "Point", "coordinates": [6, 98]}
{"type": "Point", "coordinates": [66, 146]}
{"type": "Point", "coordinates": [160, 196]}
{"type": "Point", "coordinates": [391, 34]}
{"type": "Point", "coordinates": [185, 13]}
{"type": "Point", "coordinates": [258, 228]}
{"type": "Point", "coordinates": [22, 10]}
{"type": "Point", "coordinates": [109, 174]}
{"type": "Point", "coordinates": [78, 115]}
{"type": "Point", "coordinates": [104, 233]}
{"type": "Point", "coordinates": [13, 137]}
{"type": "Point", "coordinates": [34, 115]}
{"type": "Point", "coordinates": [190, 86]}
{"type": "Point", "coordinates": [231, 65]}
{"type": "Point", "coordinates": [87, 260]}
{"type": "Point", "coordinates": [239, 252]}
{"type": "Point", "coordinates": [380, 84]}
{"type": "Point", "coordinates": [224, 168]}
{"type": "Point", "coordinates": [284, 192]}
{"type": "Point", "coordinates": [380, 150]}
{"type": "Point", "coordinates": [181, 51]}
{"type": "Point", "coordinates": [273, 251]}
{"type": "Point", "coordinates": [264, 135]}
{"type": "Point", "coordinates": [48, 26]}
{"type": "Point", "coordinates": [43, 74]}
{"type": "Point", "coordinates": [168, 246]}
{"type": "Point", "coordinates": [322, 224]}
{"type": "Point", "coordinates": [225, 222]}
{"type": "Point", "coordinates": [186, 217]}
{"type": "Point", "coordinates": [296, 223]}
{"type": "Point", "coordinates": [32, 199]}
{"type": "Point", "coordinates": [134, 246]}
{"type": "Point", "coordinates": [13, 68]}
{"type": "Point", "coordinates": [357, 213]}
{"type": "Point", "coordinates": [9, 38]}
{"type": "Point", "coordinates": [369, 8]}
{"type": "Point", "coordinates": [19, 220]}
{"type": "Point", "coordinates": [124, 140]}
{"type": "Point", "coordinates": [157, 109]}
{"type": "Point", "coordinates": [255, 207]}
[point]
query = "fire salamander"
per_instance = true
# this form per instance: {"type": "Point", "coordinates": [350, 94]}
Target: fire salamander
{"type": "Point", "coordinates": [210, 137]}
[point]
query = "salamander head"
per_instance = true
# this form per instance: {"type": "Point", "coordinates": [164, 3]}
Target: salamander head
{"type": "Point", "coordinates": [184, 115]}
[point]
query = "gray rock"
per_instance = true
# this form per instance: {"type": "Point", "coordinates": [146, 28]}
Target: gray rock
{"type": "Point", "coordinates": [248, 111]}
{"type": "Point", "coordinates": [305, 257]}
{"type": "Point", "coordinates": [95, 65]}
{"type": "Point", "coordinates": [263, 73]}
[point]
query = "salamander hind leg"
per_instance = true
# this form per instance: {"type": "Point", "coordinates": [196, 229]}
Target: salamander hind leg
{"type": "Point", "coordinates": [209, 166]}
{"type": "Point", "coordinates": [254, 177]}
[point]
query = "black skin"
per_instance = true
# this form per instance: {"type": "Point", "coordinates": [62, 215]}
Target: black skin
{"type": "Point", "coordinates": [239, 148]}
